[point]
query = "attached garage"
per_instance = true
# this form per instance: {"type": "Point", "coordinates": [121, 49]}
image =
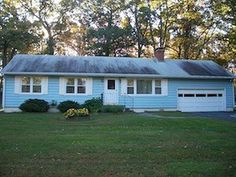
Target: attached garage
{"type": "Point", "coordinates": [201, 100]}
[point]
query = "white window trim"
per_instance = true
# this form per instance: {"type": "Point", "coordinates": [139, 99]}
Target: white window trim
{"type": "Point", "coordinates": [163, 92]}
{"type": "Point", "coordinates": [63, 84]}
{"type": "Point", "coordinates": [18, 85]}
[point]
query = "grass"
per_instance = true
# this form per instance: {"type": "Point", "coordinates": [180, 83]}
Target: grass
{"type": "Point", "coordinates": [117, 145]}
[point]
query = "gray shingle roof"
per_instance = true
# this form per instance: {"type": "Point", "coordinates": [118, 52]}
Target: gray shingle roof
{"type": "Point", "coordinates": [113, 66]}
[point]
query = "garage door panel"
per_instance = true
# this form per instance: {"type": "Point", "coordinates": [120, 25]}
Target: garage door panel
{"type": "Point", "coordinates": [201, 100]}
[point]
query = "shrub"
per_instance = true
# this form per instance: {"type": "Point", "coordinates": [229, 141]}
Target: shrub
{"type": "Point", "coordinates": [112, 108]}
{"type": "Point", "coordinates": [66, 105]}
{"type": "Point", "coordinates": [74, 113]}
{"type": "Point", "coordinates": [93, 105]}
{"type": "Point", "coordinates": [34, 105]}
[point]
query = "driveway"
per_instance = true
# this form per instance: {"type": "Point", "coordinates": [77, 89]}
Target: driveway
{"type": "Point", "coordinates": [229, 116]}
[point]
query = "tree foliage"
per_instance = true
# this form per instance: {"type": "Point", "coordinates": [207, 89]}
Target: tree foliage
{"type": "Point", "coordinates": [185, 28]}
{"type": "Point", "coordinates": [17, 33]}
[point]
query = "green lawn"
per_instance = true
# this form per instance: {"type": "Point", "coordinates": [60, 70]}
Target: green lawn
{"type": "Point", "coordinates": [120, 145]}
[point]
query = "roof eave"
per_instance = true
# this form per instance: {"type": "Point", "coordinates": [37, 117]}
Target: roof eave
{"type": "Point", "coordinates": [115, 75]}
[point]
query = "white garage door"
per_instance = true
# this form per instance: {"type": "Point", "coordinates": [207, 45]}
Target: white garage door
{"type": "Point", "coordinates": [201, 100]}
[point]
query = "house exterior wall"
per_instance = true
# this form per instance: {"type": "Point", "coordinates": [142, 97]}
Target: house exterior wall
{"type": "Point", "coordinates": [13, 100]}
{"type": "Point", "coordinates": [170, 101]}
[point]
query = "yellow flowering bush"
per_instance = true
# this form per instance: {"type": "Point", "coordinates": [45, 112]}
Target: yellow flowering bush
{"type": "Point", "coordinates": [73, 113]}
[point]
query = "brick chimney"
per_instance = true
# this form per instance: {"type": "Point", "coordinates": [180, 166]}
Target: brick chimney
{"type": "Point", "coordinates": [159, 53]}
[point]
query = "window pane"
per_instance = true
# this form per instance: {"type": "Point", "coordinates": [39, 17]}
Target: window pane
{"type": "Point", "coordinates": [37, 89]}
{"type": "Point", "coordinates": [188, 95]}
{"type": "Point", "coordinates": [130, 83]}
{"type": "Point", "coordinates": [70, 81]}
{"type": "Point", "coordinates": [130, 90]}
{"type": "Point", "coordinates": [212, 95]}
{"type": "Point", "coordinates": [157, 90]}
{"type": "Point", "coordinates": [157, 83]}
{"type": "Point", "coordinates": [200, 95]}
{"type": "Point", "coordinates": [144, 87]}
{"type": "Point", "coordinates": [111, 84]}
{"type": "Point", "coordinates": [220, 95]}
{"type": "Point", "coordinates": [25, 89]}
{"type": "Point", "coordinates": [25, 80]}
{"type": "Point", "coordinates": [36, 80]}
{"type": "Point", "coordinates": [180, 95]}
{"type": "Point", "coordinates": [81, 89]}
{"type": "Point", "coordinates": [70, 89]}
{"type": "Point", "coordinates": [81, 81]}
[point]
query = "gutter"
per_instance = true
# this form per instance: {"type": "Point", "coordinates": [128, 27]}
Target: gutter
{"type": "Point", "coordinates": [116, 75]}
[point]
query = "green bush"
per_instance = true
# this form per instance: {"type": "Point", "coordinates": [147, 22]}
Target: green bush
{"type": "Point", "coordinates": [65, 105]}
{"type": "Point", "coordinates": [93, 105]}
{"type": "Point", "coordinates": [34, 105]}
{"type": "Point", "coordinates": [113, 108]}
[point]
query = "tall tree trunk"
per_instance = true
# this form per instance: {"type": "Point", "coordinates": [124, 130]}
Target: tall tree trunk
{"type": "Point", "coordinates": [108, 37]}
{"type": "Point", "coordinates": [179, 51]}
{"type": "Point", "coordinates": [13, 52]}
{"type": "Point", "coordinates": [50, 45]}
{"type": "Point", "coordinates": [137, 32]}
{"type": "Point", "coordinates": [4, 54]}
{"type": "Point", "coordinates": [161, 33]}
{"type": "Point", "coordinates": [150, 26]}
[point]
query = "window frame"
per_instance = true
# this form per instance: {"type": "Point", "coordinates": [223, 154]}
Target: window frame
{"type": "Point", "coordinates": [153, 87]}
{"type": "Point", "coordinates": [133, 86]}
{"type": "Point", "coordinates": [76, 85]}
{"type": "Point", "coordinates": [114, 84]}
{"type": "Point", "coordinates": [21, 85]}
{"type": "Point", "coordinates": [81, 85]}
{"type": "Point", "coordinates": [150, 80]}
{"type": "Point", "coordinates": [31, 84]}
{"type": "Point", "coordinates": [69, 85]}
{"type": "Point", "coordinates": [159, 86]}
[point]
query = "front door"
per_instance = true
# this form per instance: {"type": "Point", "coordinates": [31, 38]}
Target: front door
{"type": "Point", "coordinates": [110, 96]}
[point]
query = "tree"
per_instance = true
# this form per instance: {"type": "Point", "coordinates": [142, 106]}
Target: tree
{"type": "Point", "coordinates": [54, 17]}
{"type": "Point", "coordinates": [16, 33]}
{"type": "Point", "coordinates": [105, 35]}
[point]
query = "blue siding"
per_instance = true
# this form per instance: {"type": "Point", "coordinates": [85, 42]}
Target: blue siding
{"type": "Point", "coordinates": [170, 101]}
{"type": "Point", "coordinates": [14, 100]}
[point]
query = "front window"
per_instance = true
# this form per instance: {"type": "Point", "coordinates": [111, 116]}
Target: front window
{"type": "Point", "coordinates": [111, 84]}
{"type": "Point", "coordinates": [37, 85]}
{"type": "Point", "coordinates": [74, 85]}
{"type": "Point", "coordinates": [31, 85]}
{"type": "Point", "coordinates": [81, 87]}
{"type": "Point", "coordinates": [130, 86]}
{"type": "Point", "coordinates": [157, 86]}
{"type": "Point", "coordinates": [70, 85]}
{"type": "Point", "coordinates": [144, 86]}
{"type": "Point", "coordinates": [25, 87]}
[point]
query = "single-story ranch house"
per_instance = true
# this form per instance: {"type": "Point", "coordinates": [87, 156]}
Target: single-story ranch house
{"type": "Point", "coordinates": [139, 84]}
